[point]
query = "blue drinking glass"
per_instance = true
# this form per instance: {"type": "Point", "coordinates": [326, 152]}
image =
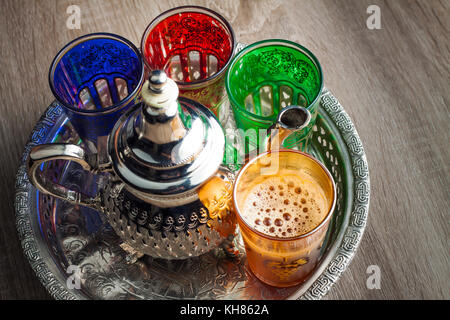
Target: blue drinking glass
{"type": "Point", "coordinates": [96, 77]}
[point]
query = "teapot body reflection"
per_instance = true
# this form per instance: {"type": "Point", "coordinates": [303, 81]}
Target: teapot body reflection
{"type": "Point", "coordinates": [162, 186]}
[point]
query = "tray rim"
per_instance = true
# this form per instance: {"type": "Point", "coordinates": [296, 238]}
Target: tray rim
{"type": "Point", "coordinates": [330, 272]}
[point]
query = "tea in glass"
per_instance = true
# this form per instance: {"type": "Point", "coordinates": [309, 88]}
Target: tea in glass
{"type": "Point", "coordinates": [283, 213]}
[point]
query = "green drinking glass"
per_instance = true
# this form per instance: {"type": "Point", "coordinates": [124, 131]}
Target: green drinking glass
{"type": "Point", "coordinates": [266, 77]}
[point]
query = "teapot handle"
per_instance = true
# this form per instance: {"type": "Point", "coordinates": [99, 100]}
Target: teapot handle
{"type": "Point", "coordinates": [61, 151]}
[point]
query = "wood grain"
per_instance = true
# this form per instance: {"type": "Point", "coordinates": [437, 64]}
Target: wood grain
{"type": "Point", "coordinates": [393, 82]}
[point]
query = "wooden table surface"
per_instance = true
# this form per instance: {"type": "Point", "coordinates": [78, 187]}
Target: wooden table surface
{"type": "Point", "coordinates": [393, 82]}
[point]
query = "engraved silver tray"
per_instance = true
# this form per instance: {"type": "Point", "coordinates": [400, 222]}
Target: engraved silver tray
{"type": "Point", "coordinates": [55, 234]}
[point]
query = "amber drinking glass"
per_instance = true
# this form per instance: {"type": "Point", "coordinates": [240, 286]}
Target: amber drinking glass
{"type": "Point", "coordinates": [283, 201]}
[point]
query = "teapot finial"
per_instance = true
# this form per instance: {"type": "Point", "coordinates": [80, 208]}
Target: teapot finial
{"type": "Point", "coordinates": [160, 122]}
{"type": "Point", "coordinates": [157, 80]}
{"type": "Point", "coordinates": [160, 93]}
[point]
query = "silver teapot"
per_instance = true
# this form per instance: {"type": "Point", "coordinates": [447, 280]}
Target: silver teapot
{"type": "Point", "coordinates": [162, 185]}
{"type": "Point", "coordinates": [165, 192]}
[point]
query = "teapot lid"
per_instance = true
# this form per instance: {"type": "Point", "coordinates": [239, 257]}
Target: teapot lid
{"type": "Point", "coordinates": [164, 144]}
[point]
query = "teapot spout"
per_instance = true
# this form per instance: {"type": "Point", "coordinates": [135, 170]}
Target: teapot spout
{"type": "Point", "coordinates": [290, 119]}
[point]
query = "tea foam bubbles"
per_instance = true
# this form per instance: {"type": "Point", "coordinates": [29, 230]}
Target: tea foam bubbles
{"type": "Point", "coordinates": [284, 205]}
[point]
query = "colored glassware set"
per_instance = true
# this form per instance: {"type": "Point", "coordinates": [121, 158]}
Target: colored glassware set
{"type": "Point", "coordinates": [98, 76]}
{"type": "Point", "coordinates": [129, 126]}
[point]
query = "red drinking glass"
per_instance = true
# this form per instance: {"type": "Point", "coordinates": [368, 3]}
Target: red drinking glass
{"type": "Point", "coordinates": [194, 46]}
